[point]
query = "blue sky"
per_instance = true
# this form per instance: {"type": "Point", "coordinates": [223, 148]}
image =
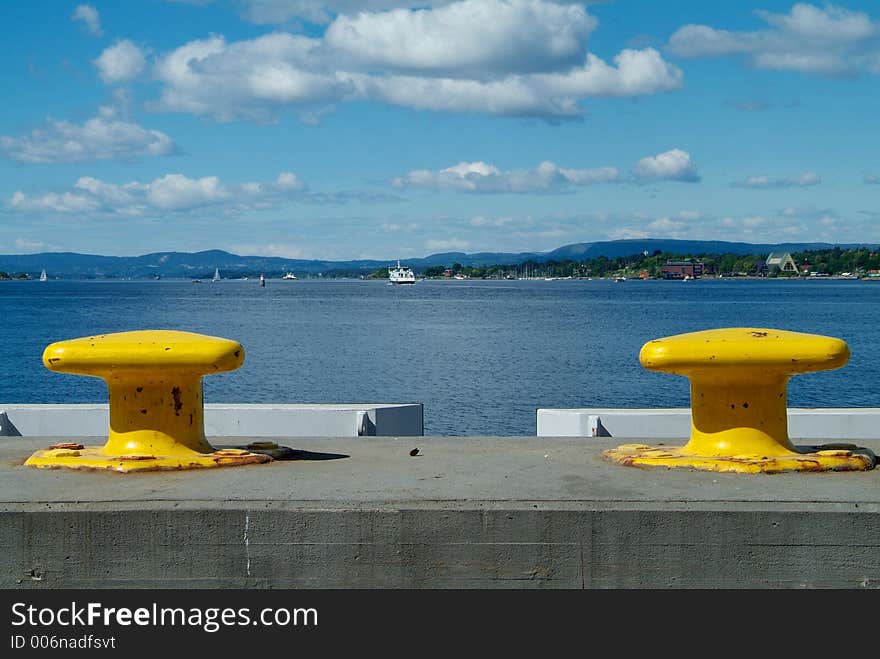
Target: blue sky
{"type": "Point", "coordinates": [392, 128]}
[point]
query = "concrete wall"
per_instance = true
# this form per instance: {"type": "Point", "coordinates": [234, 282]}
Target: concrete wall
{"type": "Point", "coordinates": [411, 547]}
{"type": "Point", "coordinates": [230, 420]}
{"type": "Point", "coordinates": [675, 423]}
{"type": "Point", "coordinates": [464, 512]}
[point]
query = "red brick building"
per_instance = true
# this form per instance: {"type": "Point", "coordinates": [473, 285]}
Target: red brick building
{"type": "Point", "coordinates": [681, 269]}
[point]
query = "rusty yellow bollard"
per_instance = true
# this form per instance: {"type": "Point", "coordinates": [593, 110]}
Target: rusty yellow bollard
{"type": "Point", "coordinates": [739, 418]}
{"type": "Point", "coordinates": [154, 381]}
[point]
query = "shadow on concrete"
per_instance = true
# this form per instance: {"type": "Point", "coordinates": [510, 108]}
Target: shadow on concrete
{"type": "Point", "coordinates": [298, 454]}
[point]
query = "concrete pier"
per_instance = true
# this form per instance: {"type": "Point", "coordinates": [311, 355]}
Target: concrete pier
{"type": "Point", "coordinates": [464, 512]}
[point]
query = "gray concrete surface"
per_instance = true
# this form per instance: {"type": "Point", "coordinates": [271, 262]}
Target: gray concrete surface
{"type": "Point", "coordinates": [521, 512]}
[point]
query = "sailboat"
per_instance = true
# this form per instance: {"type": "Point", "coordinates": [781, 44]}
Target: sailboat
{"type": "Point", "coordinates": [43, 276]}
{"type": "Point", "coordinates": [216, 275]}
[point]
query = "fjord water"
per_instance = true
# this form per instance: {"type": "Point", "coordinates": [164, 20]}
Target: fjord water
{"type": "Point", "coordinates": [481, 356]}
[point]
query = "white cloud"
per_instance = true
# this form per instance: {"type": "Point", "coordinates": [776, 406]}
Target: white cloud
{"type": "Point", "coordinates": [267, 12]}
{"type": "Point", "coordinates": [168, 194]}
{"type": "Point", "coordinates": [870, 178]}
{"type": "Point", "coordinates": [248, 79]}
{"type": "Point", "coordinates": [481, 177]}
{"type": "Point", "coordinates": [90, 17]}
{"type": "Point", "coordinates": [666, 226]}
{"type": "Point", "coordinates": [478, 176]}
{"type": "Point", "coordinates": [673, 165]}
{"type": "Point", "coordinates": [635, 72]}
{"type": "Point", "coordinates": [827, 41]}
{"type": "Point", "coordinates": [176, 191]}
{"type": "Point", "coordinates": [694, 225]}
{"type": "Point", "coordinates": [455, 244]}
{"type": "Point", "coordinates": [289, 181]}
{"type": "Point", "coordinates": [513, 58]}
{"type": "Point", "coordinates": [481, 221]}
{"type": "Point", "coordinates": [66, 202]}
{"type": "Point", "coordinates": [489, 36]}
{"type": "Point", "coordinates": [27, 246]}
{"type": "Point", "coordinates": [121, 62]}
{"type": "Point", "coordinates": [104, 137]}
{"type": "Point", "coordinates": [804, 180]}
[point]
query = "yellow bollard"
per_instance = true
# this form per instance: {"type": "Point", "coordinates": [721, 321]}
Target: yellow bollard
{"type": "Point", "coordinates": [739, 416]}
{"type": "Point", "coordinates": [154, 382]}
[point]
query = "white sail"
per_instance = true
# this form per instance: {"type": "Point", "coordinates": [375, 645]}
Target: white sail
{"type": "Point", "coordinates": [43, 276]}
{"type": "Point", "coordinates": [216, 274]}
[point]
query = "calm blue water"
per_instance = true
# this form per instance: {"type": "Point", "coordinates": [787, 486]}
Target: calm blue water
{"type": "Point", "coordinates": [480, 355]}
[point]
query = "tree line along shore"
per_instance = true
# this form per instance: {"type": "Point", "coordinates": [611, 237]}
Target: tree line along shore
{"type": "Point", "coordinates": [823, 263]}
{"type": "Point", "coordinates": [835, 262]}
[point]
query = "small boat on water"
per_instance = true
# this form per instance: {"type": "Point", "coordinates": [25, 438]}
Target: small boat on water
{"type": "Point", "coordinates": [400, 274]}
{"type": "Point", "coordinates": [216, 276]}
{"type": "Point", "coordinates": [43, 276]}
{"type": "Point", "coordinates": [289, 275]}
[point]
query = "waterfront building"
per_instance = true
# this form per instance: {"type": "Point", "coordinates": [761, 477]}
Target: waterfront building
{"type": "Point", "coordinates": [691, 269]}
{"type": "Point", "coordinates": [781, 260]}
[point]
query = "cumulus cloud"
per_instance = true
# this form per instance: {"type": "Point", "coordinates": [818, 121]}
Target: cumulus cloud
{"type": "Point", "coordinates": [481, 221]}
{"type": "Point", "coordinates": [289, 181]}
{"type": "Point", "coordinates": [804, 180]}
{"type": "Point", "coordinates": [104, 137]}
{"type": "Point", "coordinates": [826, 41]}
{"type": "Point", "coordinates": [690, 225]}
{"type": "Point", "coordinates": [26, 245]}
{"type": "Point", "coordinates": [90, 18]}
{"type": "Point", "coordinates": [67, 202]}
{"type": "Point", "coordinates": [473, 35]}
{"type": "Point", "coordinates": [177, 193]}
{"type": "Point", "coordinates": [478, 176]}
{"type": "Point", "coordinates": [482, 177]}
{"type": "Point", "coordinates": [508, 58]}
{"type": "Point", "coordinates": [269, 12]}
{"type": "Point", "coordinates": [168, 194]}
{"type": "Point", "coordinates": [674, 165]}
{"type": "Point", "coordinates": [455, 244]}
{"type": "Point", "coordinates": [121, 62]}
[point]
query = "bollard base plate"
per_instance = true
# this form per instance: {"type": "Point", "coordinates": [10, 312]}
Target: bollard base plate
{"type": "Point", "coordinates": [92, 458]}
{"type": "Point", "coordinates": [830, 457]}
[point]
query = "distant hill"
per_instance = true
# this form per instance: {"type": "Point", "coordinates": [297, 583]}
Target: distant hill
{"type": "Point", "coordinates": [186, 265]}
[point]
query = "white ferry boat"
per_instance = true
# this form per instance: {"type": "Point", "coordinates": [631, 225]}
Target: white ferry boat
{"type": "Point", "coordinates": [401, 275]}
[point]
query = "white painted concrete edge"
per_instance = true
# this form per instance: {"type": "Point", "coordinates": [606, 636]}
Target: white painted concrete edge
{"type": "Point", "coordinates": [675, 423]}
{"type": "Point", "coordinates": [225, 419]}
